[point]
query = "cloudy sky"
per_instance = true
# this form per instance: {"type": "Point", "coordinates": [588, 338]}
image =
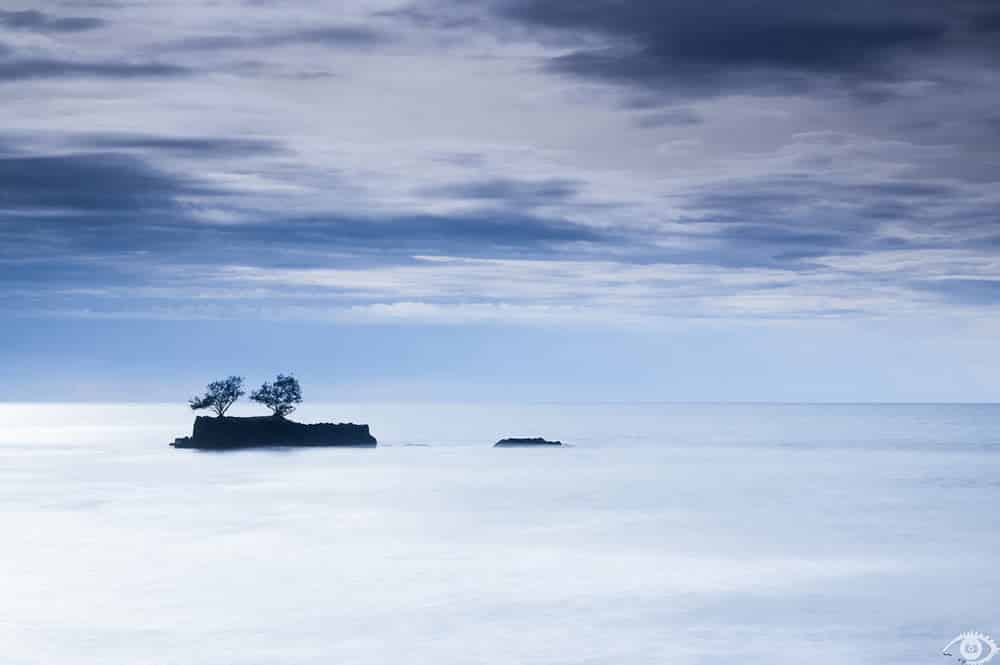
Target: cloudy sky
{"type": "Point", "coordinates": [502, 199]}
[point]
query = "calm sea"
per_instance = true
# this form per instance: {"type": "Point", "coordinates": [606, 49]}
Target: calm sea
{"type": "Point", "coordinates": [665, 533]}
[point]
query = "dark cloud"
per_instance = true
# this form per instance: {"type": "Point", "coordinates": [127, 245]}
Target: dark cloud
{"type": "Point", "coordinates": [192, 146]}
{"type": "Point", "coordinates": [796, 44]}
{"type": "Point", "coordinates": [334, 36]}
{"type": "Point", "coordinates": [24, 69]}
{"type": "Point", "coordinates": [908, 189]}
{"type": "Point", "coordinates": [90, 220]}
{"type": "Point", "coordinates": [966, 291]}
{"type": "Point", "coordinates": [786, 222]}
{"type": "Point", "coordinates": [104, 183]}
{"type": "Point", "coordinates": [519, 194]}
{"type": "Point", "coordinates": [786, 242]}
{"type": "Point", "coordinates": [38, 21]}
{"type": "Point", "coordinates": [477, 233]}
{"type": "Point", "coordinates": [767, 46]}
{"type": "Point", "coordinates": [987, 23]}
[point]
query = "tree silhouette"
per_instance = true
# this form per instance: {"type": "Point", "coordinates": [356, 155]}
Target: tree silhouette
{"type": "Point", "coordinates": [279, 396]}
{"type": "Point", "coordinates": [219, 395]}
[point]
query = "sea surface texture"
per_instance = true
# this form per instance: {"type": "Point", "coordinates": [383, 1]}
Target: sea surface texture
{"type": "Point", "coordinates": [665, 533]}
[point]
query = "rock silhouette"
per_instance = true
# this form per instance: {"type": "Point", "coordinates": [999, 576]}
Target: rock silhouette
{"type": "Point", "coordinates": [515, 442]}
{"type": "Point", "coordinates": [229, 433]}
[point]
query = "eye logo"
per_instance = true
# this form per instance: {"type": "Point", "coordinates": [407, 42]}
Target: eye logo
{"type": "Point", "coordinates": [972, 648]}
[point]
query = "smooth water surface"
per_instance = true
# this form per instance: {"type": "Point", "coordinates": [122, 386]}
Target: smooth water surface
{"type": "Point", "coordinates": [687, 534]}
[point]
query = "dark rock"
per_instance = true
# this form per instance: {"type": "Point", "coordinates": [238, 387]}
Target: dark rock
{"type": "Point", "coordinates": [226, 432]}
{"type": "Point", "coordinates": [538, 441]}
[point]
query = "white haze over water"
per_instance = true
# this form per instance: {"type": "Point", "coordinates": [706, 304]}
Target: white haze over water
{"type": "Point", "coordinates": [681, 534]}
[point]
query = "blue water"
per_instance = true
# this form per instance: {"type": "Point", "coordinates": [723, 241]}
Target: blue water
{"type": "Point", "coordinates": [688, 534]}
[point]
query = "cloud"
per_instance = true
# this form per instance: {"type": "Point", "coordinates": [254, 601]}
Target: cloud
{"type": "Point", "coordinates": [34, 20]}
{"type": "Point", "coordinates": [24, 69]}
{"type": "Point", "coordinates": [192, 146]}
{"type": "Point", "coordinates": [441, 289]}
{"type": "Point", "coordinates": [108, 218]}
{"type": "Point", "coordinates": [454, 17]}
{"type": "Point", "coordinates": [417, 312]}
{"type": "Point", "coordinates": [775, 46]}
{"type": "Point", "coordinates": [519, 194]}
{"type": "Point", "coordinates": [669, 118]}
{"type": "Point", "coordinates": [81, 218]}
{"type": "Point", "coordinates": [473, 232]}
{"type": "Point", "coordinates": [331, 36]}
{"type": "Point", "coordinates": [988, 22]}
{"type": "Point", "coordinates": [967, 291]}
{"type": "Point", "coordinates": [759, 247]}
{"type": "Point", "coordinates": [89, 183]}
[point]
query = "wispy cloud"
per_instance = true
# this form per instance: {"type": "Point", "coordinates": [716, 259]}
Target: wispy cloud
{"type": "Point", "coordinates": [26, 69]}
{"type": "Point", "coordinates": [195, 146]}
{"type": "Point", "coordinates": [333, 36]}
{"type": "Point", "coordinates": [34, 20]}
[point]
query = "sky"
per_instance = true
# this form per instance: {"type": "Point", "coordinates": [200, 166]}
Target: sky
{"type": "Point", "coordinates": [501, 199]}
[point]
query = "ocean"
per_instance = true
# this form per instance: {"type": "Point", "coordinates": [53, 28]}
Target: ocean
{"type": "Point", "coordinates": [687, 534]}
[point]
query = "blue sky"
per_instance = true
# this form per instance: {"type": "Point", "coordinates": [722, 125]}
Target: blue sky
{"type": "Point", "coordinates": [502, 199]}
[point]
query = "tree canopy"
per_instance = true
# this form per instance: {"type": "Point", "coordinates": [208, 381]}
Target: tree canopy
{"type": "Point", "coordinates": [280, 396]}
{"type": "Point", "coordinates": [219, 395]}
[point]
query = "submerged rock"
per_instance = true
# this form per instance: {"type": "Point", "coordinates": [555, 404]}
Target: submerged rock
{"type": "Point", "coordinates": [513, 442]}
{"type": "Point", "coordinates": [227, 432]}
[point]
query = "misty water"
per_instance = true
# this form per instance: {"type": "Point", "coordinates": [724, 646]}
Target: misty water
{"type": "Point", "coordinates": [666, 533]}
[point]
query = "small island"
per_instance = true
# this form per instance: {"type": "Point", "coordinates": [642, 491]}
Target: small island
{"type": "Point", "coordinates": [226, 433]}
{"type": "Point", "coordinates": [516, 442]}
{"type": "Point", "coordinates": [262, 431]}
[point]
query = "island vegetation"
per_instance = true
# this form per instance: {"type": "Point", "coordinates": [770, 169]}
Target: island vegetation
{"type": "Point", "coordinates": [280, 397]}
{"type": "Point", "coordinates": [219, 395]}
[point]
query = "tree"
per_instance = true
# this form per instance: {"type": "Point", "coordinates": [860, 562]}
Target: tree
{"type": "Point", "coordinates": [219, 396]}
{"type": "Point", "coordinates": [279, 396]}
